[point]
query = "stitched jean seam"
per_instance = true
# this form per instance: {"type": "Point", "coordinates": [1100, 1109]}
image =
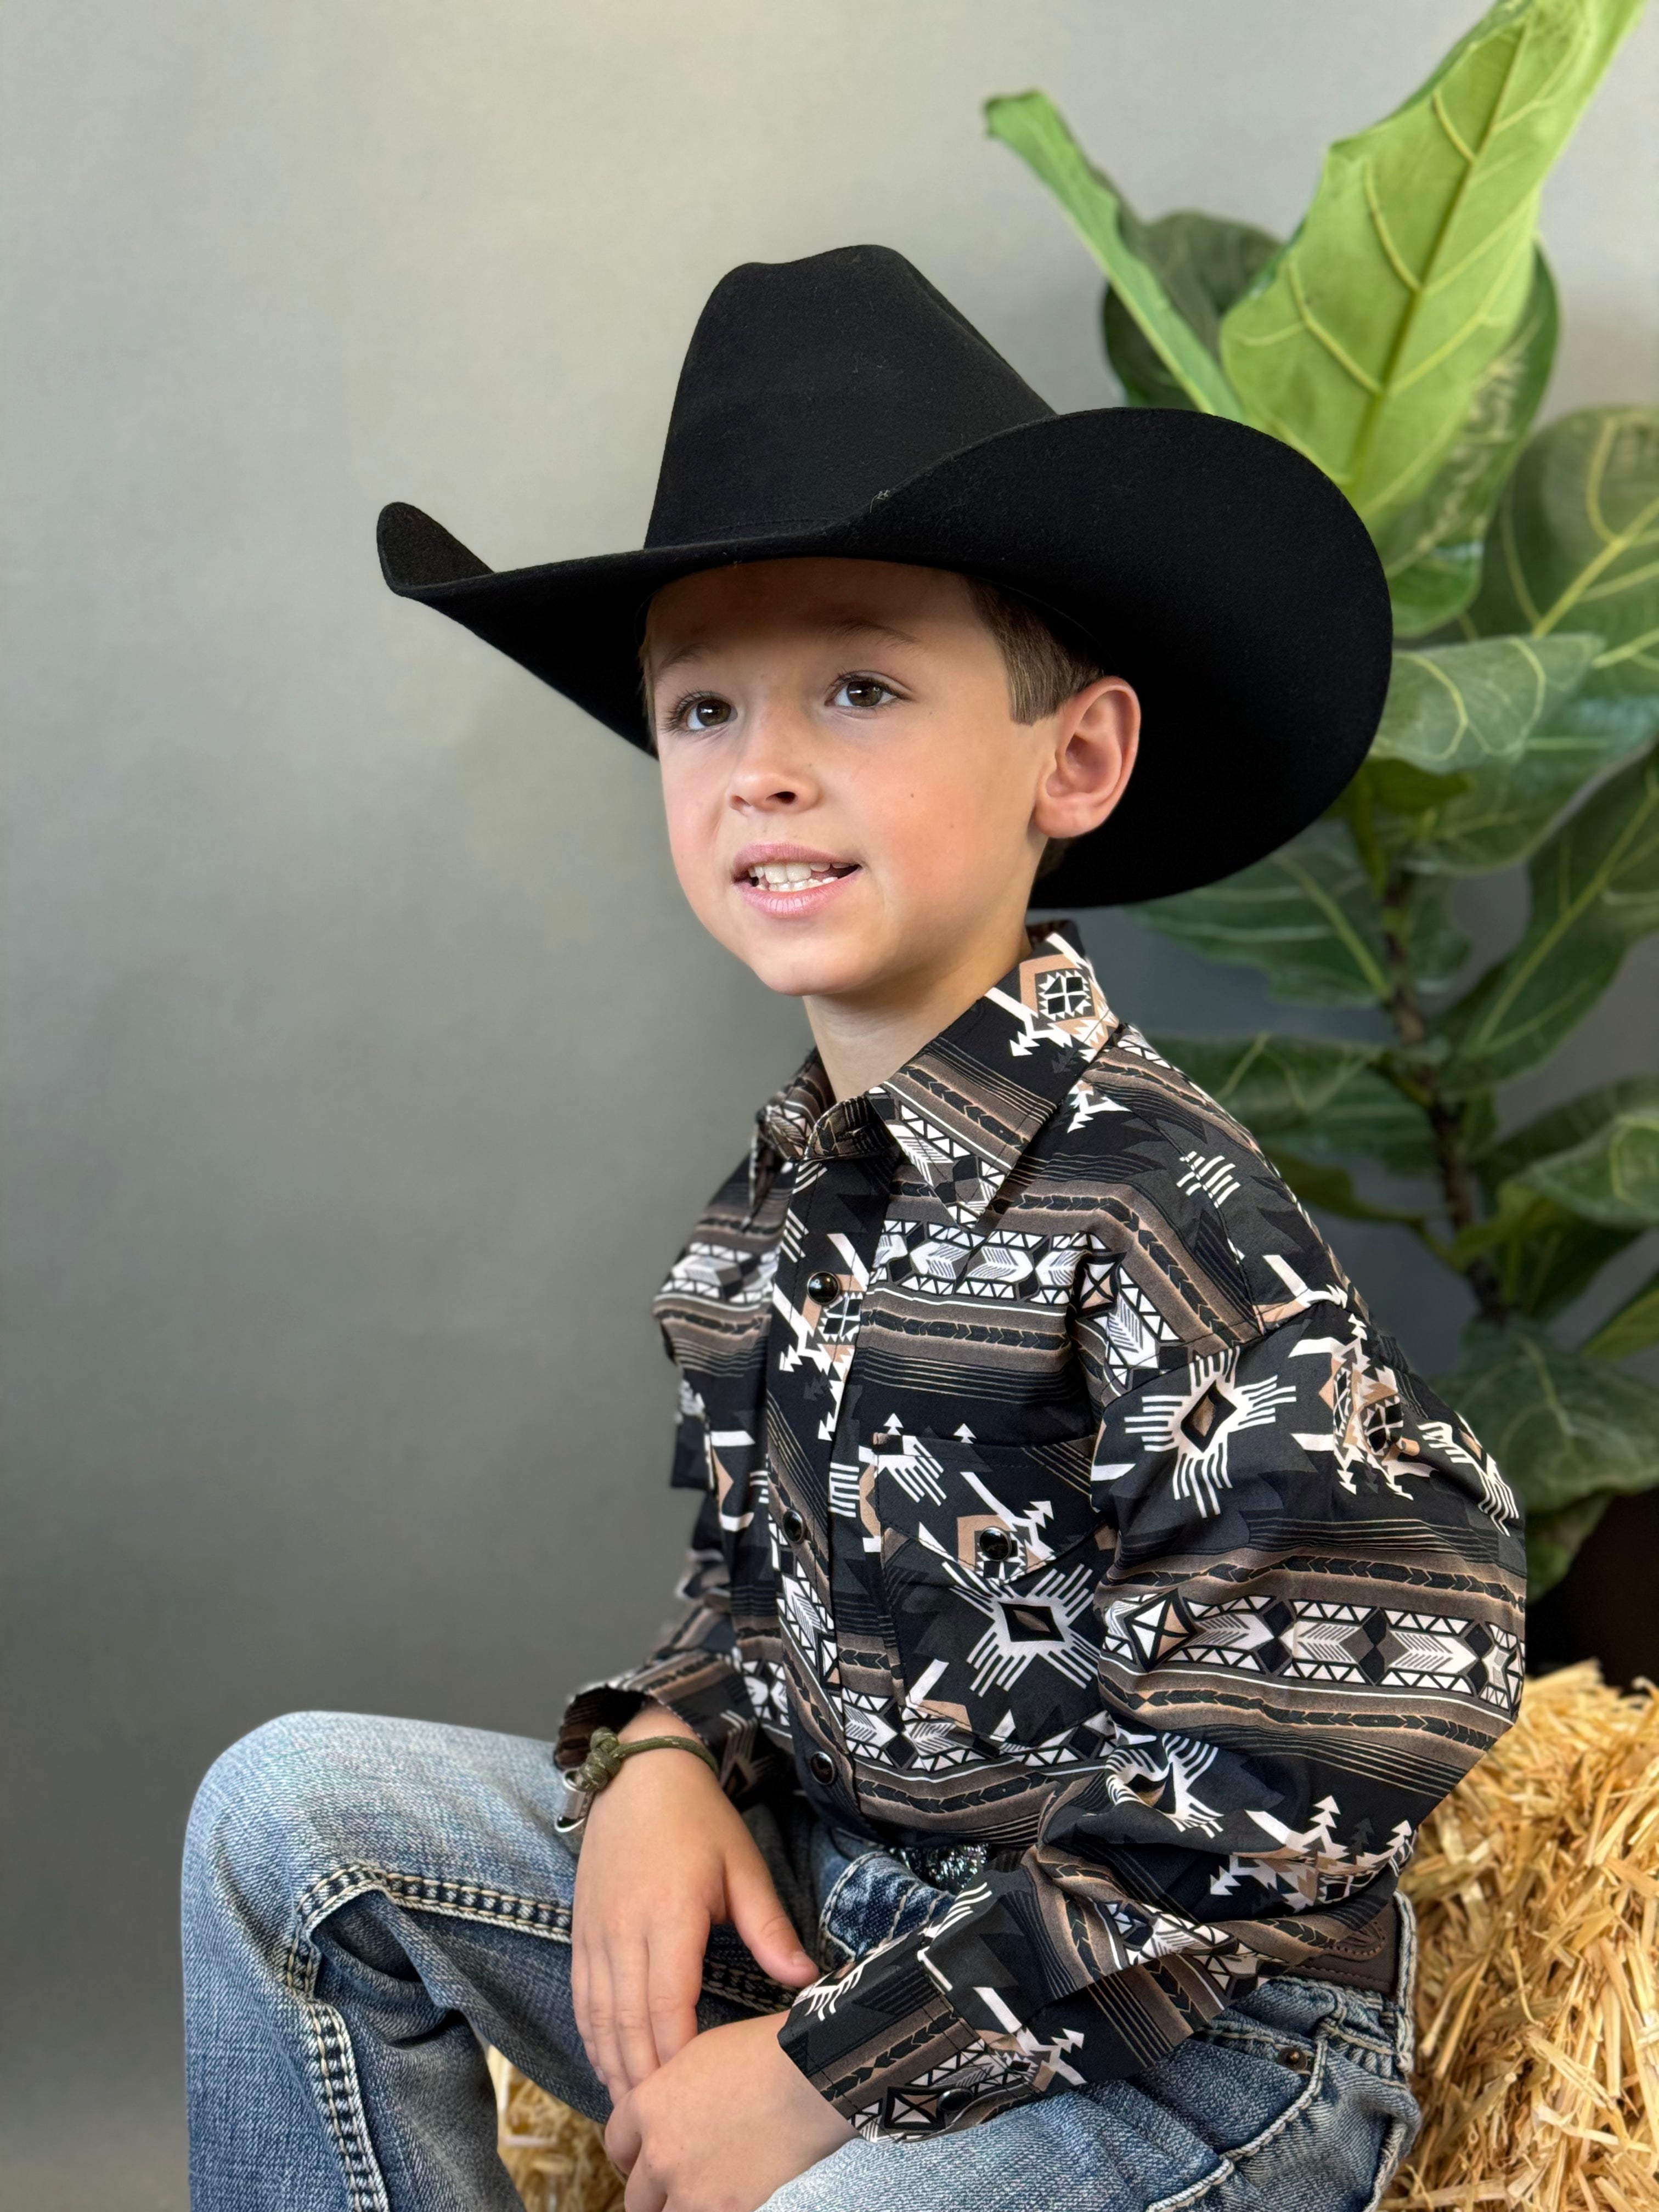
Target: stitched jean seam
{"type": "Point", "coordinates": [1363, 2045]}
{"type": "Point", "coordinates": [826, 1910]}
{"type": "Point", "coordinates": [338, 2092]}
{"type": "Point", "coordinates": [340, 2096]}
{"type": "Point", "coordinates": [1405, 1998]}
{"type": "Point", "coordinates": [546, 1918]}
{"type": "Point", "coordinates": [1395, 2143]}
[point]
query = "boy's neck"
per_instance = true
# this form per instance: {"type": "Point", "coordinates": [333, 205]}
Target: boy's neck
{"type": "Point", "coordinates": [864, 1038]}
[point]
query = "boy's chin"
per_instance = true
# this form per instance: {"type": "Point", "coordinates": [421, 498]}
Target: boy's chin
{"type": "Point", "coordinates": [834, 969]}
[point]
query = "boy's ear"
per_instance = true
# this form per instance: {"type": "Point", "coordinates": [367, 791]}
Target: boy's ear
{"type": "Point", "coordinates": [1097, 737]}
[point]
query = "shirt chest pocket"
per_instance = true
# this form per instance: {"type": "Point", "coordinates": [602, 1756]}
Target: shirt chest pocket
{"type": "Point", "coordinates": [991, 1558]}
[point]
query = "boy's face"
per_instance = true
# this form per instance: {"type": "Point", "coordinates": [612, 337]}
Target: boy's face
{"type": "Point", "coordinates": [851, 806]}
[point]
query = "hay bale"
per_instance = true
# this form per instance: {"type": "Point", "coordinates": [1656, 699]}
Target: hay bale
{"type": "Point", "coordinates": [1537, 1890]}
{"type": "Point", "coordinates": [1538, 2022]}
{"type": "Point", "coordinates": [556, 2158]}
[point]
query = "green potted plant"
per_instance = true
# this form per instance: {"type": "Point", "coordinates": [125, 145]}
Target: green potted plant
{"type": "Point", "coordinates": [1402, 339]}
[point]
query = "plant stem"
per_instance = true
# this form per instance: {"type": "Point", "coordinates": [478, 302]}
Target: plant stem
{"type": "Point", "coordinates": [1447, 1117]}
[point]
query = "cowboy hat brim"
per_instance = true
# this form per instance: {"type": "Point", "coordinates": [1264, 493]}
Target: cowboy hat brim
{"type": "Point", "coordinates": [1215, 569]}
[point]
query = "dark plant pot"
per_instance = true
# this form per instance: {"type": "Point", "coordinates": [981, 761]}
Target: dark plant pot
{"type": "Point", "coordinates": [1606, 1605]}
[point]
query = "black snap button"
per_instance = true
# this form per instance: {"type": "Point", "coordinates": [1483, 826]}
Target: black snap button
{"type": "Point", "coordinates": [1298, 2061]}
{"type": "Point", "coordinates": [794, 1526]}
{"type": "Point", "coordinates": [997, 1544]}
{"type": "Point", "coordinates": [823, 1285]}
{"type": "Point", "coordinates": [821, 1768]}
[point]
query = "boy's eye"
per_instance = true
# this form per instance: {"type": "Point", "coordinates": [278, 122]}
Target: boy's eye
{"type": "Point", "coordinates": [862, 692]}
{"type": "Point", "coordinates": [706, 711]}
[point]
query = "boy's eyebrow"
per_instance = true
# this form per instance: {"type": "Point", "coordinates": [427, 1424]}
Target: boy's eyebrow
{"type": "Point", "coordinates": [840, 626]}
{"type": "Point", "coordinates": [848, 625]}
{"type": "Point", "coordinates": [688, 650]}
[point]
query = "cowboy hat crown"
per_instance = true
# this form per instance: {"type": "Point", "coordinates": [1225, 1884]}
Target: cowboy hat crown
{"type": "Point", "coordinates": [810, 390]}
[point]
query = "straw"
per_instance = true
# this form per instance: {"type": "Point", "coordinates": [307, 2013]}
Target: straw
{"type": "Point", "coordinates": [1538, 2059]}
{"type": "Point", "coordinates": [556, 2158]}
{"type": "Point", "coordinates": [1537, 1891]}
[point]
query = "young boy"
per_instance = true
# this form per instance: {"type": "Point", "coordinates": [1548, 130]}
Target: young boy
{"type": "Point", "coordinates": [1087, 1602]}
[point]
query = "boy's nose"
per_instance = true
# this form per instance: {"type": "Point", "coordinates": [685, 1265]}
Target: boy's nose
{"type": "Point", "coordinates": [774, 769]}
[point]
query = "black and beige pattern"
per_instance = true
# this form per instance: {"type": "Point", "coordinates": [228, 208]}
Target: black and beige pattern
{"type": "Point", "coordinates": [1061, 1497]}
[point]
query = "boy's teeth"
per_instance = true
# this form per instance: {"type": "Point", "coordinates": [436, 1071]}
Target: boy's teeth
{"type": "Point", "coordinates": [785, 875]}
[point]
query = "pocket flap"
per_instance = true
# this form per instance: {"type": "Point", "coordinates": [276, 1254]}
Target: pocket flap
{"type": "Point", "coordinates": [998, 1512]}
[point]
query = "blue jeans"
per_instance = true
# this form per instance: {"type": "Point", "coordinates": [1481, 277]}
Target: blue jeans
{"type": "Point", "coordinates": [366, 1902]}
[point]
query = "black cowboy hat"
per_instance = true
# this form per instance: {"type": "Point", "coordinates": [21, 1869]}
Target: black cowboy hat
{"type": "Point", "coordinates": [840, 405]}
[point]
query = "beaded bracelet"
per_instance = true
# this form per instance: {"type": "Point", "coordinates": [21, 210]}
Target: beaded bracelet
{"type": "Point", "coordinates": [606, 1751]}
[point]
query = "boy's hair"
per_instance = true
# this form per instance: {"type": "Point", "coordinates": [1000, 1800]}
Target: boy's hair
{"type": "Point", "coordinates": [1044, 671]}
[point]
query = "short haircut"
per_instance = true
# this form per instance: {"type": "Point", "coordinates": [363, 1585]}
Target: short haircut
{"type": "Point", "coordinates": [1044, 671]}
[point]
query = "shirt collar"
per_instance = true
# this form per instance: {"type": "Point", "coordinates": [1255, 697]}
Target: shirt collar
{"type": "Point", "coordinates": [966, 1107]}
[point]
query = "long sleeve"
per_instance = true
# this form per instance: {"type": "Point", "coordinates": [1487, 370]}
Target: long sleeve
{"type": "Point", "coordinates": [694, 1670]}
{"type": "Point", "coordinates": [1309, 1630]}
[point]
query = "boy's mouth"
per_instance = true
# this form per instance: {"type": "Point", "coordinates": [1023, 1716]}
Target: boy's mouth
{"type": "Point", "coordinates": [781, 876]}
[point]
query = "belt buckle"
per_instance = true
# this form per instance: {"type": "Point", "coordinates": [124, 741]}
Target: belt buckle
{"type": "Point", "coordinates": [946, 1863]}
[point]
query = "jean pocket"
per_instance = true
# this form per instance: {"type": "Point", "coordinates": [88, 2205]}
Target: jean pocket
{"type": "Point", "coordinates": [1239, 2091]}
{"type": "Point", "coordinates": [992, 1555]}
{"type": "Point", "coordinates": [1296, 2118]}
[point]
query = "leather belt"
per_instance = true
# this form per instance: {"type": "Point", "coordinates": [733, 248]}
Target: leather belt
{"type": "Point", "coordinates": [1367, 1960]}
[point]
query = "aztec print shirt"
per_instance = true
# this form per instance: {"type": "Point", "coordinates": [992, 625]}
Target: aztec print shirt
{"type": "Point", "coordinates": [1061, 1498]}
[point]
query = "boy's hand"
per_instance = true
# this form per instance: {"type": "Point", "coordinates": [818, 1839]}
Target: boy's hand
{"type": "Point", "coordinates": [723, 2125]}
{"type": "Point", "coordinates": [664, 1856]}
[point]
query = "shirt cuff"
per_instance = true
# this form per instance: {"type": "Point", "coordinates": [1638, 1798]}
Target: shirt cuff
{"type": "Point", "coordinates": [945, 2028]}
{"type": "Point", "coordinates": [701, 1688]}
{"type": "Point", "coordinates": [886, 2043]}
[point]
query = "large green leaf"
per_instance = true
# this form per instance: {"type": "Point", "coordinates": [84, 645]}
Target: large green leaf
{"type": "Point", "coordinates": [1030, 124]}
{"type": "Point", "coordinates": [1499, 815]}
{"type": "Point", "coordinates": [1575, 544]}
{"type": "Point", "coordinates": [1365, 342]}
{"type": "Point", "coordinates": [1563, 1428]}
{"type": "Point", "coordinates": [1595, 892]}
{"type": "Point", "coordinates": [1613, 1177]}
{"type": "Point", "coordinates": [1546, 1255]}
{"type": "Point", "coordinates": [1451, 708]}
{"type": "Point", "coordinates": [1397, 788]}
{"type": "Point", "coordinates": [1316, 1094]}
{"type": "Point", "coordinates": [1431, 549]}
{"type": "Point", "coordinates": [1562, 1127]}
{"type": "Point", "coordinates": [1555, 1225]}
{"type": "Point", "coordinates": [1633, 1327]}
{"type": "Point", "coordinates": [1204, 264]}
{"type": "Point", "coordinates": [1560, 1426]}
{"type": "Point", "coordinates": [1437, 945]}
{"type": "Point", "coordinates": [1308, 917]}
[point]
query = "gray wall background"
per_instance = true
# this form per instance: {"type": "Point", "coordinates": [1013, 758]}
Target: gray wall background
{"type": "Point", "coordinates": [364, 1068]}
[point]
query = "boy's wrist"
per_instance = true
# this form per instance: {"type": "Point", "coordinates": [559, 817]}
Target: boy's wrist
{"type": "Point", "coordinates": [653, 1719]}
{"type": "Point", "coordinates": [607, 1754]}
{"type": "Point", "coordinates": [649, 1719]}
